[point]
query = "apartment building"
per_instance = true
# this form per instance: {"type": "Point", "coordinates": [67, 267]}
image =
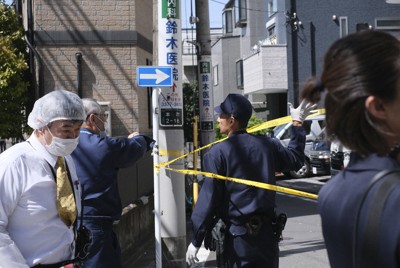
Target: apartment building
{"type": "Point", "coordinates": [270, 48]}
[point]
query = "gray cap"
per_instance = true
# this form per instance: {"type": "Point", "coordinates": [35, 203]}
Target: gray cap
{"type": "Point", "coordinates": [56, 105]}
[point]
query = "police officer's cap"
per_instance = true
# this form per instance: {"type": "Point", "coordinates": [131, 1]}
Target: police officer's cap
{"type": "Point", "coordinates": [237, 106]}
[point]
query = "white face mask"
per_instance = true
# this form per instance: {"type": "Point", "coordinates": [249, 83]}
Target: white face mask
{"type": "Point", "coordinates": [61, 147]}
{"type": "Point", "coordinates": [102, 133]}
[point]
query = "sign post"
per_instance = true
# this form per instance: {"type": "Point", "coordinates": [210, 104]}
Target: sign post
{"type": "Point", "coordinates": [206, 96]}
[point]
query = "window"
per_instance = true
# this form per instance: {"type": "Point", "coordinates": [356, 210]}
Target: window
{"type": "Point", "coordinates": [239, 73]}
{"type": "Point", "coordinates": [215, 75]}
{"type": "Point", "coordinates": [271, 35]}
{"type": "Point", "coordinates": [271, 30]}
{"type": "Point", "coordinates": [387, 23]}
{"type": "Point", "coordinates": [240, 13]}
{"type": "Point", "coordinates": [362, 26]}
{"type": "Point", "coordinates": [272, 7]}
{"type": "Point", "coordinates": [227, 21]}
{"type": "Point", "coordinates": [344, 26]}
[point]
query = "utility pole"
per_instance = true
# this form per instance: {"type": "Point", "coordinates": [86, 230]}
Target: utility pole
{"type": "Point", "coordinates": [169, 186]}
{"type": "Point", "coordinates": [204, 67]}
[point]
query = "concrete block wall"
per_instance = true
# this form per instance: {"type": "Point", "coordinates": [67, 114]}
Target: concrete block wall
{"type": "Point", "coordinates": [135, 230]}
{"type": "Point", "coordinates": [136, 227]}
{"type": "Point", "coordinates": [136, 181]}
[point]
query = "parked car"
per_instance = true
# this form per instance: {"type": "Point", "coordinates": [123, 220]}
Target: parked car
{"type": "Point", "coordinates": [320, 157]}
{"type": "Point", "coordinates": [314, 126]}
{"type": "Point", "coordinates": [340, 157]}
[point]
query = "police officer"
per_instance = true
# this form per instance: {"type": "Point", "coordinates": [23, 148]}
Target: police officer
{"type": "Point", "coordinates": [247, 211]}
{"type": "Point", "coordinates": [98, 159]}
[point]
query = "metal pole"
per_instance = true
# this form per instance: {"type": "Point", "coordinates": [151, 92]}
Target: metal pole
{"type": "Point", "coordinates": [195, 146]}
{"type": "Point", "coordinates": [157, 214]}
{"type": "Point", "coordinates": [78, 57]}
{"type": "Point", "coordinates": [155, 110]}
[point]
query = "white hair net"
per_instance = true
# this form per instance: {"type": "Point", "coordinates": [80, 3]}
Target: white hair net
{"type": "Point", "coordinates": [56, 105]}
{"type": "Point", "coordinates": [91, 106]}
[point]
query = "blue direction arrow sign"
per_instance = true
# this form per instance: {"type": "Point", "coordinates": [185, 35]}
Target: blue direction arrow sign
{"type": "Point", "coordinates": [154, 76]}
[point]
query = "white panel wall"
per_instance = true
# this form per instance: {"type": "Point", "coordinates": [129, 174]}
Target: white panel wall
{"type": "Point", "coordinates": [266, 71]}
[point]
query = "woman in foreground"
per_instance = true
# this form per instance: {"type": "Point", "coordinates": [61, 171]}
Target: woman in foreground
{"type": "Point", "coordinates": [361, 79]}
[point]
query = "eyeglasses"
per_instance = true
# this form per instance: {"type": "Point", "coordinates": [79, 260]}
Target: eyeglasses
{"type": "Point", "coordinates": [105, 116]}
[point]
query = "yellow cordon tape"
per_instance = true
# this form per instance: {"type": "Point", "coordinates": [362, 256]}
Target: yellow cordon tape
{"type": "Point", "coordinates": [266, 186]}
{"type": "Point", "coordinates": [176, 153]}
{"type": "Point", "coordinates": [258, 184]}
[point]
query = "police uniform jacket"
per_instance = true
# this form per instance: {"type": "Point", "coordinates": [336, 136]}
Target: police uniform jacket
{"type": "Point", "coordinates": [338, 204]}
{"type": "Point", "coordinates": [97, 160]}
{"type": "Point", "coordinates": [244, 156]}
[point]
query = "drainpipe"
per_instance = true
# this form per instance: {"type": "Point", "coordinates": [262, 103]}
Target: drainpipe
{"type": "Point", "coordinates": [293, 96]}
{"type": "Point", "coordinates": [78, 57]}
{"type": "Point", "coordinates": [32, 54]}
{"type": "Point", "coordinates": [29, 37]}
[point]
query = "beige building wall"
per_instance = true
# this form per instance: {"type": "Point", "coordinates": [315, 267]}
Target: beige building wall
{"type": "Point", "coordinates": [113, 37]}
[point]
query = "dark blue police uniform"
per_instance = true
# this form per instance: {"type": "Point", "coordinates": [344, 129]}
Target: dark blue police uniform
{"type": "Point", "coordinates": [97, 160]}
{"type": "Point", "coordinates": [255, 158]}
{"type": "Point", "coordinates": [338, 204]}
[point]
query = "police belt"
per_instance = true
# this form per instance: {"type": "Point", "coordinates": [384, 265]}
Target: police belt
{"type": "Point", "coordinates": [250, 225]}
{"type": "Point", "coordinates": [99, 220]}
{"type": "Point", "coordinates": [255, 222]}
{"type": "Point", "coordinates": [261, 218]}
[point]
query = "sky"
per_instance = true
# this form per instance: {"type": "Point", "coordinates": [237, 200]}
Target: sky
{"type": "Point", "coordinates": [215, 8]}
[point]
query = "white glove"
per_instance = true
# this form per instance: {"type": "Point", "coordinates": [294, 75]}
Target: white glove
{"type": "Point", "coordinates": [301, 112]}
{"type": "Point", "coordinates": [191, 254]}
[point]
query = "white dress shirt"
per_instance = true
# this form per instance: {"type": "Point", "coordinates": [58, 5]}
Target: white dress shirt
{"type": "Point", "coordinates": [31, 232]}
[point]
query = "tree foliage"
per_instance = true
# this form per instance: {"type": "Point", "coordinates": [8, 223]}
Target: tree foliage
{"type": "Point", "coordinates": [190, 109]}
{"type": "Point", "coordinates": [13, 79]}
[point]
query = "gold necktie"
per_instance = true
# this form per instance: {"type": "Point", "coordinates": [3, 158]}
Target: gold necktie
{"type": "Point", "coordinates": [65, 197]}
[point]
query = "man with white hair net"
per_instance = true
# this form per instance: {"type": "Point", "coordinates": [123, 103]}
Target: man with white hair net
{"type": "Point", "coordinates": [32, 234]}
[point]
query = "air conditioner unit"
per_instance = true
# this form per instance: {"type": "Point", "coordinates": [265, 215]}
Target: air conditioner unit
{"type": "Point", "coordinates": [393, 1]}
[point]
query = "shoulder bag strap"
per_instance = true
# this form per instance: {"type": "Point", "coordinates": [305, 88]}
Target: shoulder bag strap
{"type": "Point", "coordinates": [369, 247]}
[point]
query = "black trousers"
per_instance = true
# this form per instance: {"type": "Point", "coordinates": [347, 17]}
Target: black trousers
{"type": "Point", "coordinates": [244, 250]}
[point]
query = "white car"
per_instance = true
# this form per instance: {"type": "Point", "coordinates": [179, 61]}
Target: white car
{"type": "Point", "coordinates": [314, 126]}
{"type": "Point", "coordinates": [340, 157]}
